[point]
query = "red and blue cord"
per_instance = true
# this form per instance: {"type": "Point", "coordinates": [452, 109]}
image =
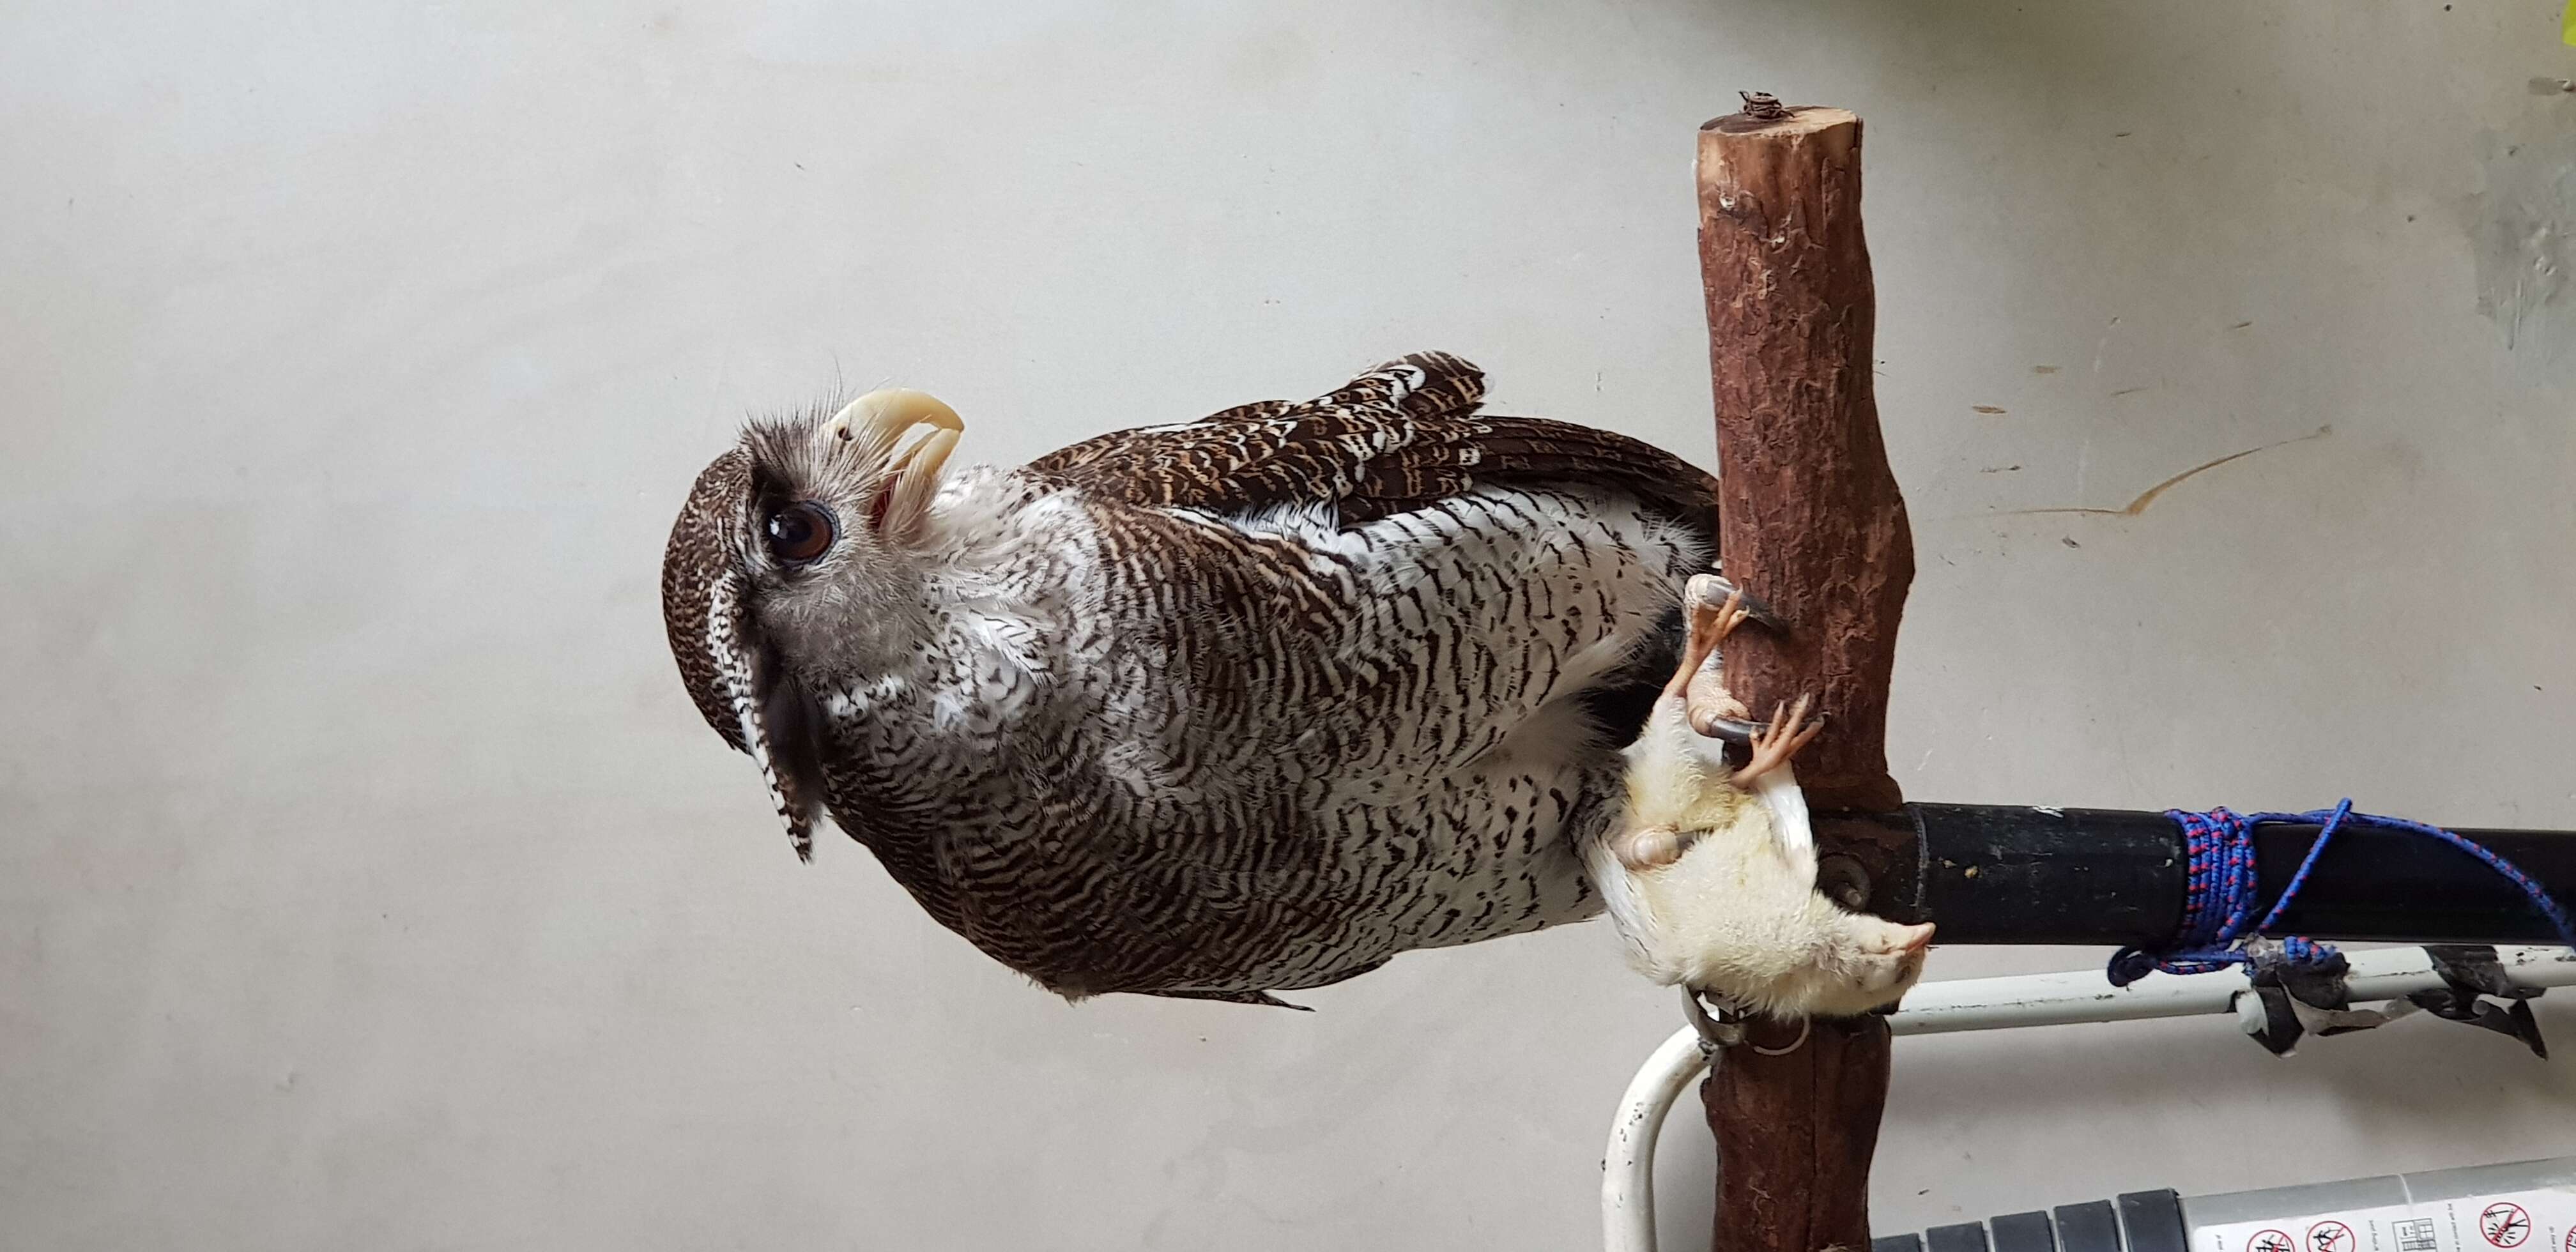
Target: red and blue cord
{"type": "Point", "coordinates": [2221, 891]}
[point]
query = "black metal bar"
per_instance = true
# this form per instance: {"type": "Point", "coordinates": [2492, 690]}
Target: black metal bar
{"type": "Point", "coordinates": [2015, 874]}
{"type": "Point", "coordinates": [2152, 1222]}
{"type": "Point", "coordinates": [2022, 1232]}
{"type": "Point", "coordinates": [2092, 1227]}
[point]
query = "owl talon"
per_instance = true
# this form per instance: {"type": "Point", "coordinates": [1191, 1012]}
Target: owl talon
{"type": "Point", "coordinates": [1754, 607]}
{"type": "Point", "coordinates": [1708, 621]}
{"type": "Point", "coordinates": [1715, 608]}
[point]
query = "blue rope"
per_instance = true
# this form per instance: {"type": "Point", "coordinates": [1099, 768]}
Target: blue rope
{"type": "Point", "coordinates": [2220, 889]}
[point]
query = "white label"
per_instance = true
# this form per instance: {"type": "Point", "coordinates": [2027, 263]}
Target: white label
{"type": "Point", "coordinates": [2510, 1221]}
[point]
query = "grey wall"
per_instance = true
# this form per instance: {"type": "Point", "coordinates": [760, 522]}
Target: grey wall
{"type": "Point", "coordinates": [367, 881]}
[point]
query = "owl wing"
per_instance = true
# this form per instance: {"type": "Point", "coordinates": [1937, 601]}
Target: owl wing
{"type": "Point", "coordinates": [1401, 437]}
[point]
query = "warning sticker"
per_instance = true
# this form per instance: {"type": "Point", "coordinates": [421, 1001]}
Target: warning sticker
{"type": "Point", "coordinates": [2505, 1224]}
{"type": "Point", "coordinates": [2514, 1221]}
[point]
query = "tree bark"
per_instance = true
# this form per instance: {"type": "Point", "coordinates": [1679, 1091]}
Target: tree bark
{"type": "Point", "coordinates": [1795, 1134]}
{"type": "Point", "coordinates": [1810, 518]}
{"type": "Point", "coordinates": [1811, 522]}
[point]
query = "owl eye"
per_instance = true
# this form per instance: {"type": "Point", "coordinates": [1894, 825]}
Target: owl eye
{"type": "Point", "coordinates": [800, 532]}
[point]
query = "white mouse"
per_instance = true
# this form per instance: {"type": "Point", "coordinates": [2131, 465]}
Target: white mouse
{"type": "Point", "coordinates": [1710, 875]}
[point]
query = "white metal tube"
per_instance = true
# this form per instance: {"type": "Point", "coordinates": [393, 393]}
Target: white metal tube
{"type": "Point", "coordinates": [1628, 1172]}
{"type": "Point", "coordinates": [1628, 1168]}
{"type": "Point", "coordinates": [1934, 1008]}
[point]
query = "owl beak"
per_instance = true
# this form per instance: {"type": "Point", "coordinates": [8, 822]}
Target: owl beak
{"type": "Point", "coordinates": [878, 421]}
{"type": "Point", "coordinates": [883, 416]}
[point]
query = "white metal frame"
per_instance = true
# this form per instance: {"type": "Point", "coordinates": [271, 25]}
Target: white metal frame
{"type": "Point", "coordinates": [1628, 1168]}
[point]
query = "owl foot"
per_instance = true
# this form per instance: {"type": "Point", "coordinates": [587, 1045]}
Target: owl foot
{"type": "Point", "coordinates": [1712, 709]}
{"type": "Point", "coordinates": [1773, 745]}
{"type": "Point", "coordinates": [1714, 608]}
{"type": "Point", "coordinates": [1720, 587]}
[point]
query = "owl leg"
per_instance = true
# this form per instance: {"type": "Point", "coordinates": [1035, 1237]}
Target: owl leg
{"type": "Point", "coordinates": [1714, 608]}
{"type": "Point", "coordinates": [1710, 620]}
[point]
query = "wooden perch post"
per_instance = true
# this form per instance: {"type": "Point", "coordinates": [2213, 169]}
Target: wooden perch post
{"type": "Point", "coordinates": [1811, 522]}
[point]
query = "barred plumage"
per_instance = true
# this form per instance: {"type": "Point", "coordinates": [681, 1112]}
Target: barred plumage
{"type": "Point", "coordinates": [1215, 709]}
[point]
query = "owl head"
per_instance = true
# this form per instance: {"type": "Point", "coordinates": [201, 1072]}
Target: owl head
{"type": "Point", "coordinates": [799, 542]}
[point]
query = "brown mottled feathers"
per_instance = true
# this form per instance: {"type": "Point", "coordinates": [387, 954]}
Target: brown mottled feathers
{"type": "Point", "coordinates": [695, 558]}
{"type": "Point", "coordinates": [1203, 755]}
{"type": "Point", "coordinates": [1401, 437]}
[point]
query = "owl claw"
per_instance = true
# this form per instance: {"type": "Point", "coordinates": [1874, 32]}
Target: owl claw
{"type": "Point", "coordinates": [1734, 730]}
{"type": "Point", "coordinates": [1754, 607]}
{"type": "Point", "coordinates": [1716, 608]}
